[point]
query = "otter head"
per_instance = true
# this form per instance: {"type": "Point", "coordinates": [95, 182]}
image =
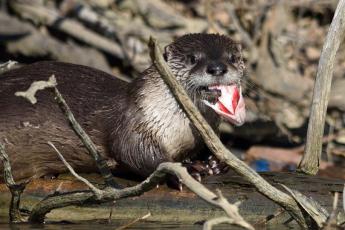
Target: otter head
{"type": "Point", "coordinates": [210, 67]}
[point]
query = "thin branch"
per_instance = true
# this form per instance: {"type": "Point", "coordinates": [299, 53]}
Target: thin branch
{"type": "Point", "coordinates": [335, 203]}
{"type": "Point", "coordinates": [215, 145]}
{"type": "Point", "coordinates": [82, 179]}
{"type": "Point", "coordinates": [333, 217]}
{"type": "Point", "coordinates": [7, 167]}
{"type": "Point", "coordinates": [312, 154]}
{"type": "Point", "coordinates": [111, 212]}
{"type": "Point", "coordinates": [134, 221]}
{"type": "Point", "coordinates": [15, 189]}
{"type": "Point", "coordinates": [84, 137]}
{"type": "Point", "coordinates": [101, 163]}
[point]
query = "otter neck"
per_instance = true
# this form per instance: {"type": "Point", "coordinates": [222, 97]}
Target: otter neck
{"type": "Point", "coordinates": [152, 92]}
{"type": "Point", "coordinates": [160, 111]}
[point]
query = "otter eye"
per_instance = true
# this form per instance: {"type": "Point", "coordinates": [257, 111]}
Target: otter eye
{"type": "Point", "coordinates": [232, 59]}
{"type": "Point", "coordinates": [192, 59]}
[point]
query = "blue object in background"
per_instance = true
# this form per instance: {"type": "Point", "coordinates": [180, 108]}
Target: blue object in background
{"type": "Point", "coordinates": [262, 165]}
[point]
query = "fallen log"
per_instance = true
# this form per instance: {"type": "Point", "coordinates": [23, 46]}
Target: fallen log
{"type": "Point", "coordinates": [167, 205]}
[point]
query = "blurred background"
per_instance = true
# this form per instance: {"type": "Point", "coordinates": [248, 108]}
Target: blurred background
{"type": "Point", "coordinates": [282, 42]}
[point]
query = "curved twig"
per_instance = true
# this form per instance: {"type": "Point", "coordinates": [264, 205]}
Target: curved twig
{"type": "Point", "coordinates": [95, 190]}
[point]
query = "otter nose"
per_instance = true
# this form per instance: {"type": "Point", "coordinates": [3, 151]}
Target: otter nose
{"type": "Point", "coordinates": [216, 69]}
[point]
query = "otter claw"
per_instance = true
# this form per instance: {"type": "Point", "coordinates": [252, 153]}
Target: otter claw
{"type": "Point", "coordinates": [180, 187]}
{"type": "Point", "coordinates": [198, 169]}
{"type": "Point", "coordinates": [196, 176]}
{"type": "Point", "coordinates": [216, 166]}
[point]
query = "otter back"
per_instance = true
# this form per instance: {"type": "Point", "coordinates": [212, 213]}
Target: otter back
{"type": "Point", "coordinates": [26, 128]}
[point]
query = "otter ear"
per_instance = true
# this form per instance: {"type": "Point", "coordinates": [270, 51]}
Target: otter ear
{"type": "Point", "coordinates": [241, 65]}
{"type": "Point", "coordinates": [239, 47]}
{"type": "Point", "coordinates": [167, 53]}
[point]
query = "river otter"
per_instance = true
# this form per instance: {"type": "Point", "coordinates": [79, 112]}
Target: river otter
{"type": "Point", "coordinates": [136, 125]}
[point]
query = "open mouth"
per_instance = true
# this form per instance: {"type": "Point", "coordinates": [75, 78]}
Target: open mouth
{"type": "Point", "coordinates": [228, 102]}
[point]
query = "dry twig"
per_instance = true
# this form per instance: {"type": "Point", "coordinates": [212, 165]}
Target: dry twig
{"type": "Point", "coordinates": [15, 189]}
{"type": "Point", "coordinates": [312, 154]}
{"type": "Point", "coordinates": [84, 137]}
{"type": "Point", "coordinates": [134, 221]}
{"type": "Point", "coordinates": [332, 218]}
{"type": "Point", "coordinates": [95, 190]}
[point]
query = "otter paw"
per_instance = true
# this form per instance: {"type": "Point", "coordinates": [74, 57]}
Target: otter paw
{"type": "Point", "coordinates": [216, 166]}
{"type": "Point", "coordinates": [197, 169]}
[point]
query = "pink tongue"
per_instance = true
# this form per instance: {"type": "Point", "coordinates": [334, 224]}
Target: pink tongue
{"type": "Point", "coordinates": [229, 99]}
{"type": "Point", "coordinates": [230, 104]}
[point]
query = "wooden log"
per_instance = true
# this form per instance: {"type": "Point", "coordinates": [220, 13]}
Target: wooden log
{"type": "Point", "coordinates": [167, 205]}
